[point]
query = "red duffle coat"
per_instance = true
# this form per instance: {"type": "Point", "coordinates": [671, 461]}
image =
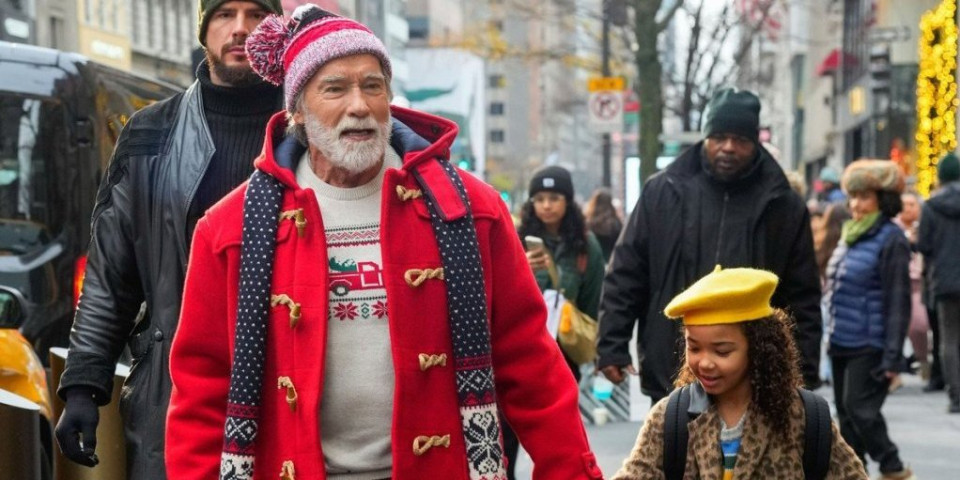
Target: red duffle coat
{"type": "Point", "coordinates": [535, 389]}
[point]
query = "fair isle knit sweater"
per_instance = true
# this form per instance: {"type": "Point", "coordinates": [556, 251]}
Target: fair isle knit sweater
{"type": "Point", "coordinates": [357, 403]}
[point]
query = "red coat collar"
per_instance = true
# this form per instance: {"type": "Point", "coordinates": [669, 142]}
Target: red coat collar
{"type": "Point", "coordinates": [417, 137]}
{"type": "Point", "coordinates": [438, 134]}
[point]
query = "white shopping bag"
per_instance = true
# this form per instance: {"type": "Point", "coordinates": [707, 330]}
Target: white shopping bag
{"type": "Point", "coordinates": [554, 301]}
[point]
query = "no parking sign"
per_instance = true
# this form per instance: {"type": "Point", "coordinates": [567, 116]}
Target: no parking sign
{"type": "Point", "coordinates": [605, 104]}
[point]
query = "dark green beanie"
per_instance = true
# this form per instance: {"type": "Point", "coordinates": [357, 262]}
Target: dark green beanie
{"type": "Point", "coordinates": [948, 170]}
{"type": "Point", "coordinates": [207, 7]}
{"type": "Point", "coordinates": [733, 111]}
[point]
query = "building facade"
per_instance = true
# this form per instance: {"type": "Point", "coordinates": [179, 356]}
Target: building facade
{"type": "Point", "coordinates": [158, 38]}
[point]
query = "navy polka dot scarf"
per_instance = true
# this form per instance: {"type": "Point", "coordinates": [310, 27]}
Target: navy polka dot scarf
{"type": "Point", "coordinates": [469, 330]}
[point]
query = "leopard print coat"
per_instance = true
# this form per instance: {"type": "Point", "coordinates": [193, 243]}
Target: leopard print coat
{"type": "Point", "coordinates": [761, 457]}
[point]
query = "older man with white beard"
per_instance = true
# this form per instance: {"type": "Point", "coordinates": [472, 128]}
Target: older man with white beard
{"type": "Point", "coordinates": [361, 309]}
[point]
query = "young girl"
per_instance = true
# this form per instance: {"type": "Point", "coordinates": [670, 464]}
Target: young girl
{"type": "Point", "coordinates": [741, 363]}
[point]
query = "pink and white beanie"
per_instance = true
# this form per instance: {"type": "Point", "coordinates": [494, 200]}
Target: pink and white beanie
{"type": "Point", "coordinates": [290, 52]}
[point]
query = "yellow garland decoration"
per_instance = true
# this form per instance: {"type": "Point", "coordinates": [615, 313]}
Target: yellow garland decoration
{"type": "Point", "coordinates": [936, 92]}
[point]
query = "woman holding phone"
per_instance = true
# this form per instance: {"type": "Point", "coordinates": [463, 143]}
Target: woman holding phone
{"type": "Point", "coordinates": [554, 230]}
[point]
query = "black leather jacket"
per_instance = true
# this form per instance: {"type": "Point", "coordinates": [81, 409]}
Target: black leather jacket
{"type": "Point", "coordinates": [137, 258]}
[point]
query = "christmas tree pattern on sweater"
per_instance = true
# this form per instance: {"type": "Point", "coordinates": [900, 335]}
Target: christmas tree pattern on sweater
{"type": "Point", "coordinates": [357, 291]}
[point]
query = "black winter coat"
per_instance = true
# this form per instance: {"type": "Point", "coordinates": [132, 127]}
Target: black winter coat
{"type": "Point", "coordinates": [659, 255]}
{"type": "Point", "coordinates": [138, 256]}
{"type": "Point", "coordinates": [939, 231]}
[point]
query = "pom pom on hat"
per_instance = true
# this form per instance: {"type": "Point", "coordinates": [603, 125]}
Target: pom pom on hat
{"type": "Point", "coordinates": [725, 296]}
{"type": "Point", "coordinates": [265, 47]}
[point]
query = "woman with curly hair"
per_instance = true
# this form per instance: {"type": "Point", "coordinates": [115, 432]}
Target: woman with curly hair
{"type": "Point", "coordinates": [740, 365]}
{"type": "Point", "coordinates": [552, 215]}
{"type": "Point", "coordinates": [868, 297]}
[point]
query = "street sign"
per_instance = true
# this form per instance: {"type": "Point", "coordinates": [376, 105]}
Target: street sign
{"type": "Point", "coordinates": [606, 111]}
{"type": "Point", "coordinates": [889, 34]}
{"type": "Point", "coordinates": [597, 84]}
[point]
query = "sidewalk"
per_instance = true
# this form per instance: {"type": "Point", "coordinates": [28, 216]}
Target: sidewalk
{"type": "Point", "coordinates": [928, 437]}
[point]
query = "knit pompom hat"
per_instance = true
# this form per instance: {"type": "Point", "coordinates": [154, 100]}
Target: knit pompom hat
{"type": "Point", "coordinates": [289, 53]}
{"type": "Point", "coordinates": [876, 175]}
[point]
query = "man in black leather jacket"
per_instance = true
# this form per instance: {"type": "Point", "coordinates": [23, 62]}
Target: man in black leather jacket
{"type": "Point", "coordinates": [173, 160]}
{"type": "Point", "coordinates": [724, 201]}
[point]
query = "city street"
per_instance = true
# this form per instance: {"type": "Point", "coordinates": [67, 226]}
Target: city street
{"type": "Point", "coordinates": [929, 438]}
{"type": "Point", "coordinates": [319, 229]}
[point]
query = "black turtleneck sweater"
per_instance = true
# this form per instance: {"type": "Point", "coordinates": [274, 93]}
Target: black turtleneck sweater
{"type": "Point", "coordinates": [237, 119]}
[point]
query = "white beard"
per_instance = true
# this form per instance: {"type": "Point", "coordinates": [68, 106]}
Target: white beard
{"type": "Point", "coordinates": [354, 157]}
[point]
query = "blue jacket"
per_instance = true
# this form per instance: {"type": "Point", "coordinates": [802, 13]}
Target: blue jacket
{"type": "Point", "coordinates": [869, 292]}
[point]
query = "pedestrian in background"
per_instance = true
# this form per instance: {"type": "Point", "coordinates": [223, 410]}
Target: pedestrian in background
{"type": "Point", "coordinates": [740, 366]}
{"type": "Point", "coordinates": [825, 242]}
{"type": "Point", "coordinates": [830, 186]}
{"type": "Point", "coordinates": [603, 221]}
{"type": "Point", "coordinates": [939, 231]}
{"type": "Point", "coordinates": [919, 331]}
{"type": "Point", "coordinates": [796, 183]}
{"type": "Point", "coordinates": [361, 304]}
{"type": "Point", "coordinates": [552, 214]}
{"type": "Point", "coordinates": [173, 161]}
{"type": "Point", "coordinates": [869, 301]}
{"type": "Point", "coordinates": [722, 201]}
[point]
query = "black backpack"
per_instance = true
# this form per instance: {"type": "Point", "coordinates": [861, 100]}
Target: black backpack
{"type": "Point", "coordinates": [817, 439]}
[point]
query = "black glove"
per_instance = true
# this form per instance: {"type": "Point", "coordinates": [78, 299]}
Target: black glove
{"type": "Point", "coordinates": [77, 428]}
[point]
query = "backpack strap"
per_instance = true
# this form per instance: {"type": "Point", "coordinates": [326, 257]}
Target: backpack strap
{"type": "Point", "coordinates": [675, 433]}
{"type": "Point", "coordinates": [818, 438]}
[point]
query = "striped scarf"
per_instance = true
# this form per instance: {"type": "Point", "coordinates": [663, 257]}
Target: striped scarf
{"type": "Point", "coordinates": [466, 300]}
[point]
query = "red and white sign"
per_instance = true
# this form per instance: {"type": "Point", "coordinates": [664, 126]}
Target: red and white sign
{"type": "Point", "coordinates": [606, 111]}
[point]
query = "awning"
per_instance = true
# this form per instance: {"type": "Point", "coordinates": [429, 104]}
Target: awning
{"type": "Point", "coordinates": [833, 61]}
{"type": "Point", "coordinates": [829, 64]}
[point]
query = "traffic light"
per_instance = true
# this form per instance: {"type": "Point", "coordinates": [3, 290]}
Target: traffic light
{"type": "Point", "coordinates": [465, 162]}
{"type": "Point", "coordinates": [880, 76]}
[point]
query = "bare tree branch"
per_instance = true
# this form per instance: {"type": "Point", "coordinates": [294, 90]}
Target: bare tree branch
{"type": "Point", "coordinates": [747, 42]}
{"type": "Point", "coordinates": [661, 24]}
{"type": "Point", "coordinates": [689, 71]}
{"type": "Point", "coordinates": [717, 39]}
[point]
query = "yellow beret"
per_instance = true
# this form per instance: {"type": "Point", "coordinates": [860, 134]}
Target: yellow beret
{"type": "Point", "coordinates": [725, 296]}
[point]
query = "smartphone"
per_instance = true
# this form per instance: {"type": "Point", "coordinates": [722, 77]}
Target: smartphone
{"type": "Point", "coordinates": [533, 243]}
